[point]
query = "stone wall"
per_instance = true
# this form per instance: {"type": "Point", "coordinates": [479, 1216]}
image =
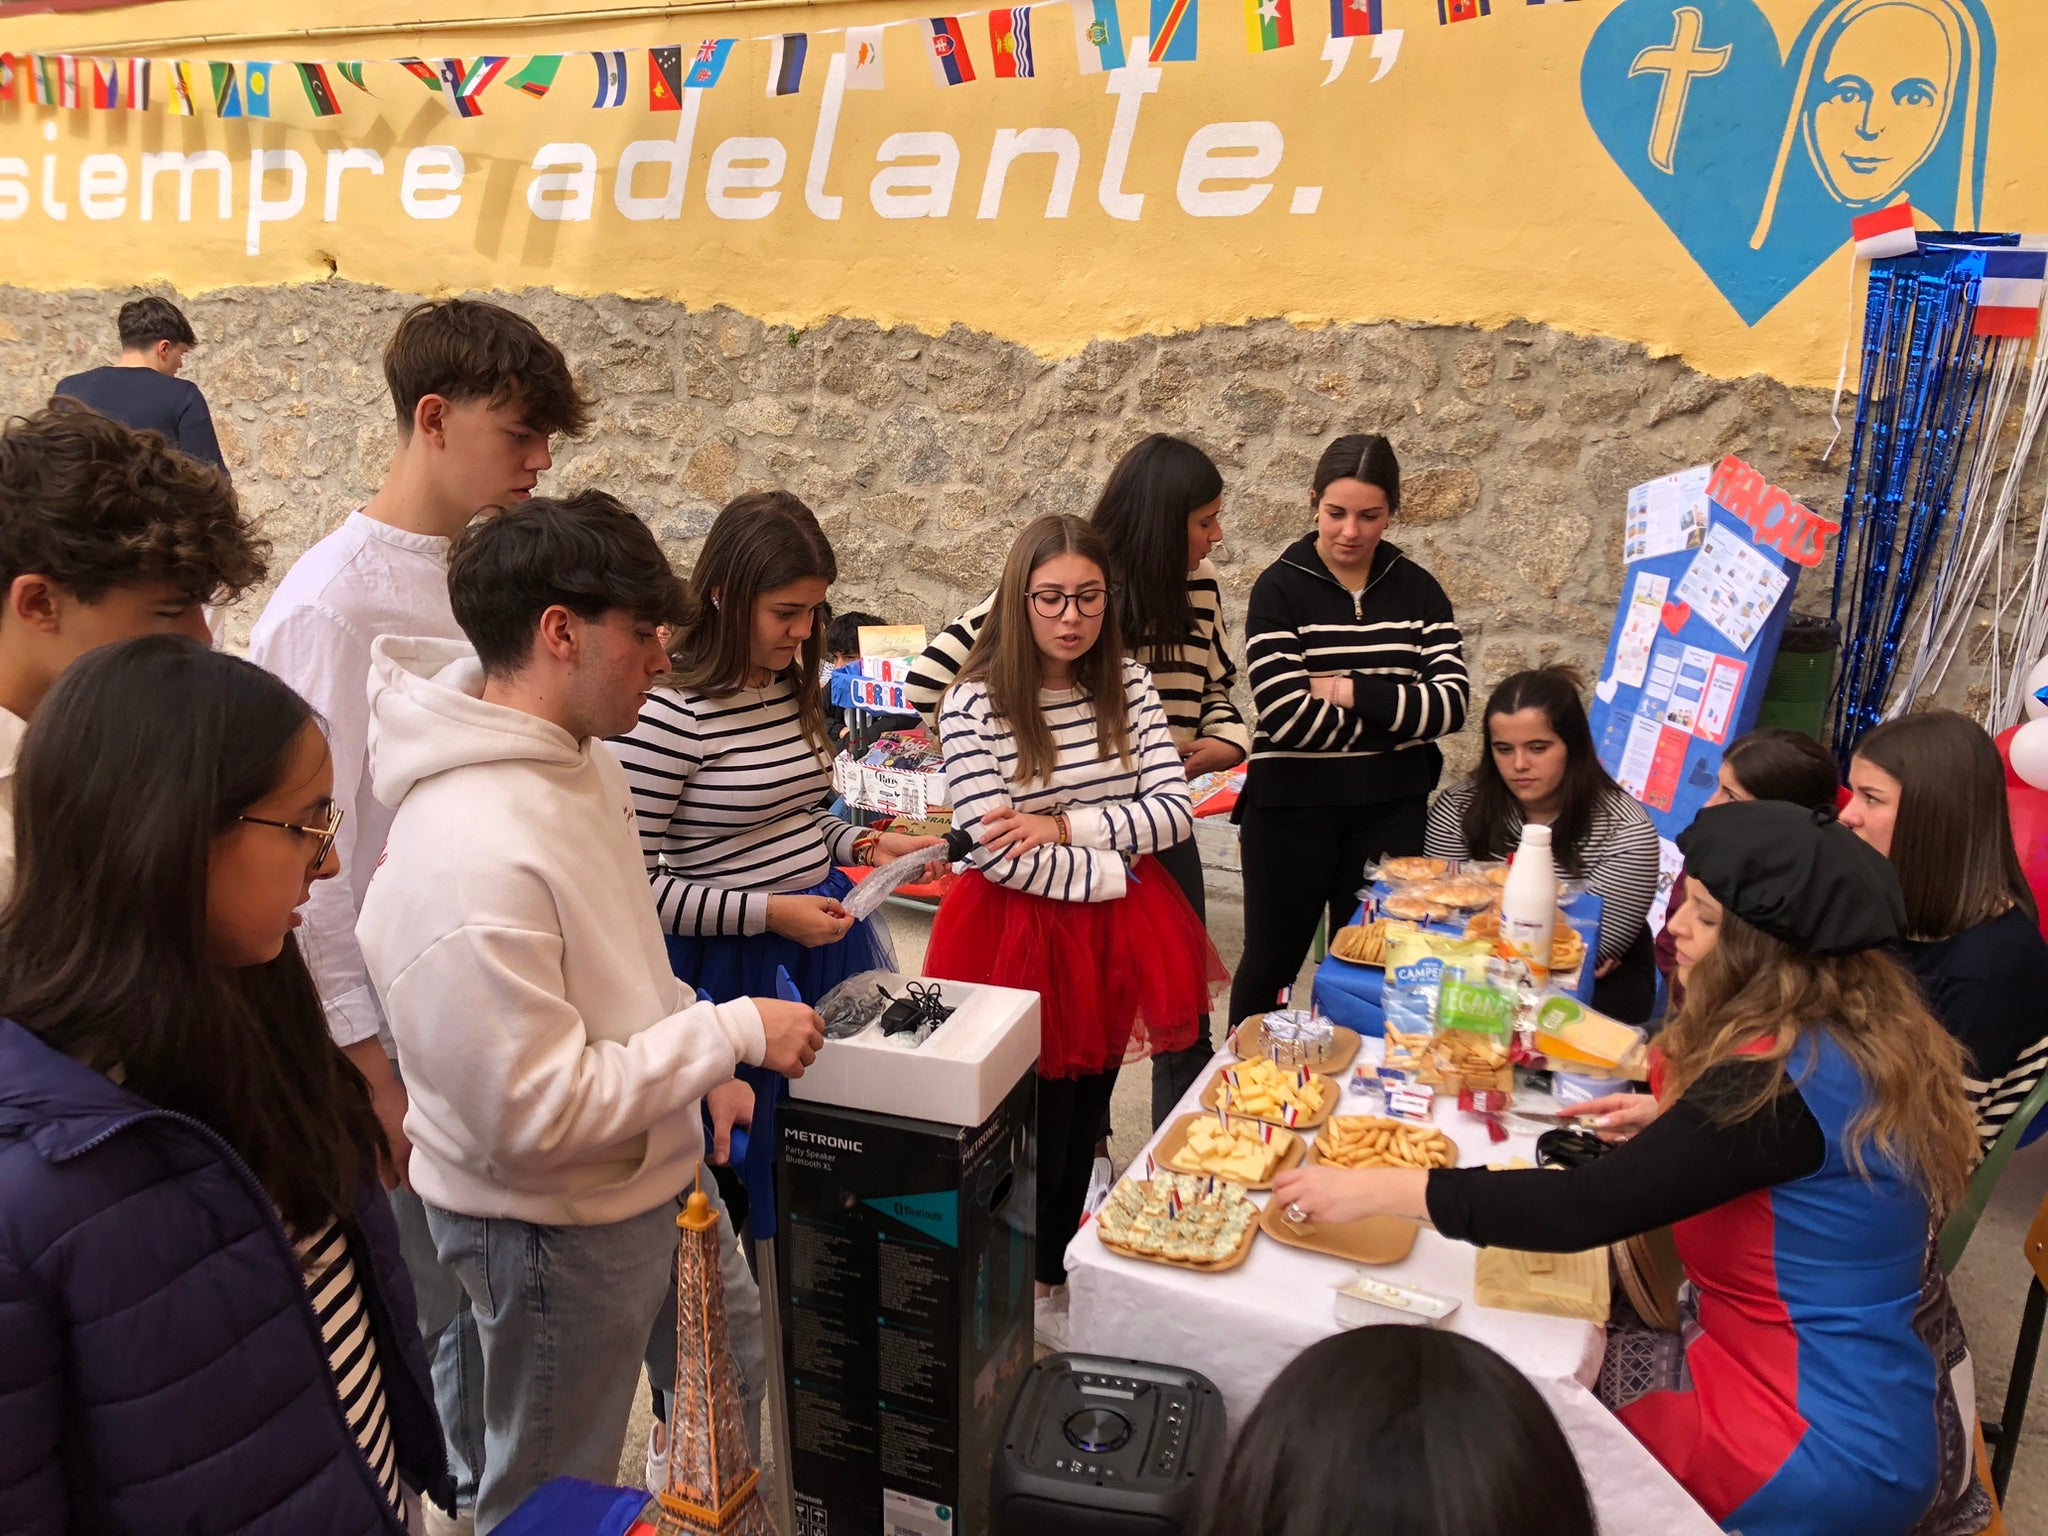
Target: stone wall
{"type": "Point", "coordinates": [921, 454]}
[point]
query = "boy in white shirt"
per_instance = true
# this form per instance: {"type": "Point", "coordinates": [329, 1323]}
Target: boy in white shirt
{"type": "Point", "coordinates": [555, 1064]}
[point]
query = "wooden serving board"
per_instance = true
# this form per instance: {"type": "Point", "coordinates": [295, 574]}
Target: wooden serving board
{"type": "Point", "coordinates": [1229, 1261]}
{"type": "Point", "coordinates": [1330, 1089]}
{"type": "Point", "coordinates": [1554, 1284]}
{"type": "Point", "coordinates": [1375, 1240]}
{"type": "Point", "coordinates": [1336, 1058]}
{"type": "Point", "coordinates": [1173, 1146]}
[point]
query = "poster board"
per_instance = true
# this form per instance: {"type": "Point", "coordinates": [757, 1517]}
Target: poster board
{"type": "Point", "coordinates": [1714, 555]}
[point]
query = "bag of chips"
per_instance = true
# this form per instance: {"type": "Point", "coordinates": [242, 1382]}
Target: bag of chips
{"type": "Point", "coordinates": [1417, 964]}
{"type": "Point", "coordinates": [1473, 1048]}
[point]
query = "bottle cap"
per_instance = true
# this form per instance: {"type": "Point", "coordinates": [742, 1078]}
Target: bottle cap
{"type": "Point", "coordinates": [1536, 835]}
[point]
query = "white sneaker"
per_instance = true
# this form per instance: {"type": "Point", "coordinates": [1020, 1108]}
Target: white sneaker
{"type": "Point", "coordinates": [657, 1457]}
{"type": "Point", "coordinates": [439, 1522]}
{"type": "Point", "coordinates": [1049, 1320]}
{"type": "Point", "coordinates": [1101, 1179]}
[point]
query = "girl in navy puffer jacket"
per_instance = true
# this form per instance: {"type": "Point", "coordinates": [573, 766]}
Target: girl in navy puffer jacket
{"type": "Point", "coordinates": [204, 1322]}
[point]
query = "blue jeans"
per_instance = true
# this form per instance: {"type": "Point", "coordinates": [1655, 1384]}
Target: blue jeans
{"type": "Point", "coordinates": [561, 1316]}
{"type": "Point", "coordinates": [449, 1333]}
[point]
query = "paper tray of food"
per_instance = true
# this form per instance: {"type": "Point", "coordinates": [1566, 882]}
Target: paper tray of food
{"type": "Point", "coordinates": [1373, 1141]}
{"type": "Point", "coordinates": [1179, 1219]}
{"type": "Point", "coordinates": [1244, 1152]}
{"type": "Point", "coordinates": [1249, 1041]}
{"type": "Point", "coordinates": [1266, 1093]}
{"type": "Point", "coordinates": [1375, 1240]}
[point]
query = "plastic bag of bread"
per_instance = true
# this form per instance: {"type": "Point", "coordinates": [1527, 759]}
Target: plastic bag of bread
{"type": "Point", "coordinates": [1473, 1047]}
{"type": "Point", "coordinates": [1417, 962]}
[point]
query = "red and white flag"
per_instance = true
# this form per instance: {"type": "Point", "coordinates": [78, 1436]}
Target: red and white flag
{"type": "Point", "coordinates": [1888, 232]}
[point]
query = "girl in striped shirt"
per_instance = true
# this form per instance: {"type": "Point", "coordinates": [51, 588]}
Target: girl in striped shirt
{"type": "Point", "coordinates": [729, 765]}
{"type": "Point", "coordinates": [1160, 517]}
{"type": "Point", "coordinates": [1061, 766]}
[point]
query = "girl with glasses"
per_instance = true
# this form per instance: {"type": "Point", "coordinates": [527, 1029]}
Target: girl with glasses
{"type": "Point", "coordinates": [1061, 766]}
{"type": "Point", "coordinates": [207, 1322]}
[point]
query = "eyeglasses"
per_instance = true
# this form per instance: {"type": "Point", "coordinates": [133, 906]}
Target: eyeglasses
{"type": "Point", "coordinates": [1051, 602]}
{"type": "Point", "coordinates": [323, 836]}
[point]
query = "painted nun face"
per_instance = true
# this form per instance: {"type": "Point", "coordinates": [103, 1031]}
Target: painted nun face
{"type": "Point", "coordinates": [1887, 83]}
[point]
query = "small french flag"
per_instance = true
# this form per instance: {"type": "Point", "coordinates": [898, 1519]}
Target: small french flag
{"type": "Point", "coordinates": [1173, 1202]}
{"type": "Point", "coordinates": [1266, 1134]}
{"type": "Point", "coordinates": [1888, 232]}
{"type": "Point", "coordinates": [1290, 1114]}
{"type": "Point", "coordinates": [2009, 294]}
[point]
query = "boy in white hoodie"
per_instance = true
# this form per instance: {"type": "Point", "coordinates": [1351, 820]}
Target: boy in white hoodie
{"type": "Point", "coordinates": [554, 1063]}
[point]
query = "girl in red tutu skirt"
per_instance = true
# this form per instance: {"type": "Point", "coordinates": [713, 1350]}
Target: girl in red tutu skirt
{"type": "Point", "coordinates": [1059, 762]}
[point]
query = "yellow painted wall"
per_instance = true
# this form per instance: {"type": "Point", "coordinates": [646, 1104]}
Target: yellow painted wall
{"type": "Point", "coordinates": [1472, 183]}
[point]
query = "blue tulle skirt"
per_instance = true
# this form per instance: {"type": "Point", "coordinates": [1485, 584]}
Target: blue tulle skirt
{"type": "Point", "coordinates": [730, 965]}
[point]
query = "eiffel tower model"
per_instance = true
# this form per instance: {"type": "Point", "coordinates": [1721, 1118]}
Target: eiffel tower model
{"type": "Point", "coordinates": [713, 1488]}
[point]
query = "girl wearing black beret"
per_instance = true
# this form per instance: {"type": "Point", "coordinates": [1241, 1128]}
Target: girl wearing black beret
{"type": "Point", "coordinates": [1808, 1132]}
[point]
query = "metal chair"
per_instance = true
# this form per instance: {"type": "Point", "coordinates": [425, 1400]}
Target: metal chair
{"type": "Point", "coordinates": [2004, 1436]}
{"type": "Point", "coordinates": [1955, 1233]}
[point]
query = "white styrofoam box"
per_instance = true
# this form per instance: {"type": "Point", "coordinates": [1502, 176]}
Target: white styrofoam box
{"type": "Point", "coordinates": [957, 1077]}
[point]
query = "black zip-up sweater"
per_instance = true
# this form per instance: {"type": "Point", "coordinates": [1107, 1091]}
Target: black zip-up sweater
{"type": "Point", "coordinates": [1398, 642]}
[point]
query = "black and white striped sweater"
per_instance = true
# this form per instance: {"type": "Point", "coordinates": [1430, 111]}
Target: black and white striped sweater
{"type": "Point", "coordinates": [726, 794]}
{"type": "Point", "coordinates": [1113, 808]}
{"type": "Point", "coordinates": [1397, 641]}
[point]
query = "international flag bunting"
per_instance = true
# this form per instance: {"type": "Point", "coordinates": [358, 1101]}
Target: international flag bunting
{"type": "Point", "coordinates": [611, 78]}
{"type": "Point", "coordinates": [180, 100]}
{"type": "Point", "coordinates": [709, 63]}
{"type": "Point", "coordinates": [863, 58]}
{"type": "Point", "coordinates": [1550, 2]}
{"type": "Point", "coordinates": [1098, 38]}
{"type": "Point", "coordinates": [786, 63]}
{"type": "Point", "coordinates": [106, 84]}
{"type": "Point", "coordinates": [466, 82]}
{"type": "Point", "coordinates": [1009, 40]}
{"type": "Point", "coordinates": [423, 72]}
{"type": "Point", "coordinates": [42, 72]}
{"type": "Point", "coordinates": [1355, 18]}
{"type": "Point", "coordinates": [67, 80]}
{"type": "Point", "coordinates": [1887, 232]}
{"type": "Point", "coordinates": [2009, 294]}
{"type": "Point", "coordinates": [950, 64]}
{"type": "Point", "coordinates": [135, 84]}
{"type": "Point", "coordinates": [537, 75]}
{"type": "Point", "coordinates": [1268, 24]}
{"type": "Point", "coordinates": [256, 89]}
{"type": "Point", "coordinates": [1173, 31]}
{"type": "Point", "coordinates": [319, 89]}
{"type": "Point", "coordinates": [227, 100]}
{"type": "Point", "coordinates": [352, 72]}
{"type": "Point", "coordinates": [1448, 11]}
{"type": "Point", "coordinates": [10, 75]}
{"type": "Point", "coordinates": [665, 79]}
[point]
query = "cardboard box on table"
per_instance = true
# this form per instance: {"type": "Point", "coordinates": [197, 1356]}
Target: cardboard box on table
{"type": "Point", "coordinates": [906, 1246]}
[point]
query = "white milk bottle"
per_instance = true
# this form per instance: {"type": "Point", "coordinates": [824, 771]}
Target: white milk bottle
{"type": "Point", "coordinates": [1528, 903]}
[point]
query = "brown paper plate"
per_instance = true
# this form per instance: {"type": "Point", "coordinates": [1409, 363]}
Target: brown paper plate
{"type": "Point", "coordinates": [1375, 1240]}
{"type": "Point", "coordinates": [1331, 1090]}
{"type": "Point", "coordinates": [1571, 1285]}
{"type": "Point", "coordinates": [1315, 1151]}
{"type": "Point", "coordinates": [1174, 1145]}
{"type": "Point", "coordinates": [1229, 1261]}
{"type": "Point", "coordinates": [1337, 1055]}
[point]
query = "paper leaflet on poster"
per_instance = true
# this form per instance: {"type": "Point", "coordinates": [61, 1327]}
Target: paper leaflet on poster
{"type": "Point", "coordinates": [1670, 863]}
{"type": "Point", "coordinates": [1719, 705]}
{"type": "Point", "coordinates": [1666, 515]}
{"type": "Point", "coordinates": [1639, 629]}
{"type": "Point", "coordinates": [1733, 586]}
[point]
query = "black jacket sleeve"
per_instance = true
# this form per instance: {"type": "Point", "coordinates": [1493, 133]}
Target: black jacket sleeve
{"type": "Point", "coordinates": [1685, 1163]}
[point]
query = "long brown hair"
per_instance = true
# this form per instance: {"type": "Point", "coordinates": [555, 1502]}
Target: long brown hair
{"type": "Point", "coordinates": [763, 540]}
{"type": "Point", "coordinates": [144, 753]}
{"type": "Point", "coordinates": [1952, 842]}
{"type": "Point", "coordinates": [1752, 997]}
{"type": "Point", "coordinates": [1006, 658]}
{"type": "Point", "coordinates": [1555, 691]}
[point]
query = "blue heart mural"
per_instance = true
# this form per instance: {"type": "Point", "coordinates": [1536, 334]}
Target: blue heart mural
{"type": "Point", "coordinates": [1757, 159]}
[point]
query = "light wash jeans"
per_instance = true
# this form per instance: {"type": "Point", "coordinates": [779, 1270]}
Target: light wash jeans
{"type": "Point", "coordinates": [561, 1316]}
{"type": "Point", "coordinates": [449, 1333]}
{"type": "Point", "coordinates": [742, 1325]}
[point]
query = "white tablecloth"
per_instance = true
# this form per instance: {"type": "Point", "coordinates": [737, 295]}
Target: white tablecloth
{"type": "Point", "coordinates": [1241, 1327]}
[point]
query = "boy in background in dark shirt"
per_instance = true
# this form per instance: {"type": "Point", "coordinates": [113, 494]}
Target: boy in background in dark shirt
{"type": "Point", "coordinates": [842, 647]}
{"type": "Point", "coordinates": [143, 390]}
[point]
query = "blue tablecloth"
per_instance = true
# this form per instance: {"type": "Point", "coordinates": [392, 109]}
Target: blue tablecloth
{"type": "Point", "coordinates": [1350, 994]}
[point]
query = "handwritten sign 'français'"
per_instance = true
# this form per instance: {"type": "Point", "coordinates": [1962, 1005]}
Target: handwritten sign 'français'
{"type": "Point", "coordinates": [1775, 519]}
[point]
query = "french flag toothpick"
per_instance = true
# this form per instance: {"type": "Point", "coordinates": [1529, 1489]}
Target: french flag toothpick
{"type": "Point", "coordinates": [2010, 292]}
{"type": "Point", "coordinates": [1887, 232]}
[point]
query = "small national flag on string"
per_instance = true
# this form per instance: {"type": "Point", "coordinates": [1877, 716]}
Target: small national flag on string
{"type": "Point", "coordinates": [1355, 18]}
{"type": "Point", "coordinates": [106, 84]}
{"type": "Point", "coordinates": [863, 58]}
{"type": "Point", "coordinates": [180, 98]}
{"type": "Point", "coordinates": [67, 80]}
{"type": "Point", "coordinates": [319, 89]}
{"type": "Point", "coordinates": [256, 89]}
{"type": "Point", "coordinates": [10, 75]}
{"type": "Point", "coordinates": [1009, 39]}
{"type": "Point", "coordinates": [1173, 31]}
{"type": "Point", "coordinates": [135, 84]}
{"type": "Point", "coordinates": [2009, 293]}
{"type": "Point", "coordinates": [423, 72]}
{"type": "Point", "coordinates": [537, 75]}
{"type": "Point", "coordinates": [611, 78]}
{"type": "Point", "coordinates": [1268, 24]}
{"type": "Point", "coordinates": [351, 70]}
{"type": "Point", "coordinates": [1887, 232]}
{"type": "Point", "coordinates": [227, 101]}
{"type": "Point", "coordinates": [665, 79]}
{"type": "Point", "coordinates": [786, 63]}
{"type": "Point", "coordinates": [1448, 11]}
{"type": "Point", "coordinates": [42, 71]}
{"type": "Point", "coordinates": [950, 64]}
{"type": "Point", "coordinates": [466, 82]}
{"type": "Point", "coordinates": [709, 63]}
{"type": "Point", "coordinates": [1098, 38]}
